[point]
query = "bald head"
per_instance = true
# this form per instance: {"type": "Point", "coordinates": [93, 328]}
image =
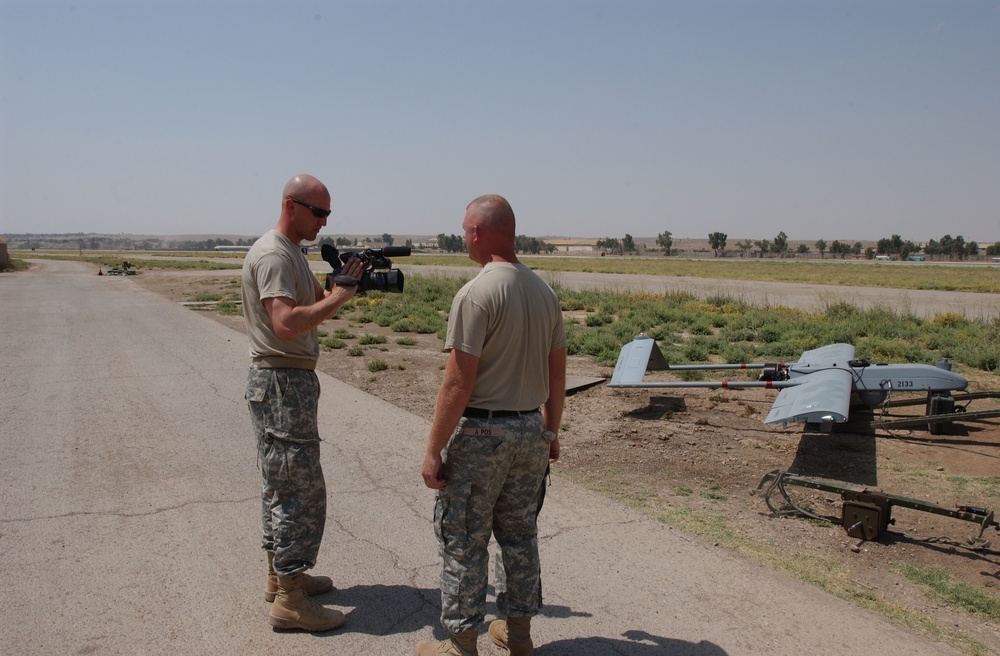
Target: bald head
{"type": "Point", "coordinates": [305, 203]}
{"type": "Point", "coordinates": [489, 230]}
{"type": "Point", "coordinates": [303, 185]}
{"type": "Point", "coordinates": [494, 214]}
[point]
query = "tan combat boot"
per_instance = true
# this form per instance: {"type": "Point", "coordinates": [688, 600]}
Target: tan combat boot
{"type": "Point", "coordinates": [461, 644]}
{"type": "Point", "coordinates": [514, 635]}
{"type": "Point", "coordinates": [293, 609]}
{"type": "Point", "coordinates": [311, 585]}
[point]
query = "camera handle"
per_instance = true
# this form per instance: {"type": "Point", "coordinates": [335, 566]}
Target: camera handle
{"type": "Point", "coordinates": [340, 281]}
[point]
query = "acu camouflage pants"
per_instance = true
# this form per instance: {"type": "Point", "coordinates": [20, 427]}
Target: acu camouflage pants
{"type": "Point", "coordinates": [283, 410]}
{"type": "Point", "coordinates": [495, 470]}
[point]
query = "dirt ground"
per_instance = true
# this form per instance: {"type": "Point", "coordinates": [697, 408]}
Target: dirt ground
{"type": "Point", "coordinates": [692, 458]}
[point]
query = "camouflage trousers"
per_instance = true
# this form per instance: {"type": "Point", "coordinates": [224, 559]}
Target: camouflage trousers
{"type": "Point", "coordinates": [500, 571]}
{"type": "Point", "coordinates": [283, 410]}
{"type": "Point", "coordinates": [495, 470]}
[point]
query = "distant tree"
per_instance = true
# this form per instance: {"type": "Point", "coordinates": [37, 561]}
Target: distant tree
{"type": "Point", "coordinates": [628, 244]}
{"type": "Point", "coordinates": [717, 240]}
{"type": "Point", "coordinates": [387, 239]}
{"type": "Point", "coordinates": [839, 248]}
{"type": "Point", "coordinates": [763, 245]}
{"type": "Point", "coordinates": [451, 244]}
{"type": "Point", "coordinates": [993, 249]}
{"type": "Point", "coordinates": [530, 245]}
{"type": "Point", "coordinates": [802, 249]}
{"type": "Point", "coordinates": [611, 245]}
{"type": "Point", "coordinates": [906, 249]}
{"type": "Point", "coordinates": [744, 247]}
{"type": "Point", "coordinates": [821, 247]}
{"type": "Point", "coordinates": [869, 253]}
{"type": "Point", "coordinates": [857, 248]}
{"type": "Point", "coordinates": [780, 245]}
{"type": "Point", "coordinates": [951, 247]}
{"type": "Point", "coordinates": [958, 248]}
{"type": "Point", "coordinates": [664, 241]}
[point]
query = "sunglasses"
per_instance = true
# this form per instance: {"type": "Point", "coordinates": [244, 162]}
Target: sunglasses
{"type": "Point", "coordinates": [318, 212]}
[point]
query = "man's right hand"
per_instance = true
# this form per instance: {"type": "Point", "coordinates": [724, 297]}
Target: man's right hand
{"type": "Point", "coordinates": [431, 471]}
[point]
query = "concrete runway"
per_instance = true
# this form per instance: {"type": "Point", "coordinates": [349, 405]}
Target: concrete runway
{"type": "Point", "coordinates": [129, 522]}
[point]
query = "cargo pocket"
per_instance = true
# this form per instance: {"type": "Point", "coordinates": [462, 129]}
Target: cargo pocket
{"type": "Point", "coordinates": [257, 385]}
{"type": "Point", "coordinates": [451, 528]}
{"type": "Point", "coordinates": [292, 411]}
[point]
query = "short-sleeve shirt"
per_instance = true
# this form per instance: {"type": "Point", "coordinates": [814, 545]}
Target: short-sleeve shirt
{"type": "Point", "coordinates": [510, 319]}
{"type": "Point", "coordinates": [275, 267]}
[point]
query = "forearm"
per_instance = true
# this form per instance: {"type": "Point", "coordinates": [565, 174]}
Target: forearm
{"type": "Point", "coordinates": [456, 390]}
{"type": "Point", "coordinates": [451, 402]}
{"type": "Point", "coordinates": [552, 410]}
{"type": "Point", "coordinates": [290, 320]}
{"type": "Point", "coordinates": [453, 397]}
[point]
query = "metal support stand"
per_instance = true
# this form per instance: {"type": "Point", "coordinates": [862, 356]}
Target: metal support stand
{"type": "Point", "coordinates": [866, 514]}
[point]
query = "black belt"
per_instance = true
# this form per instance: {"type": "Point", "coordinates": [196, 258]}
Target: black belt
{"type": "Point", "coordinates": [479, 413]}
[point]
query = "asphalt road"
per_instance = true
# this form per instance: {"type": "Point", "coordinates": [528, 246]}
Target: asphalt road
{"type": "Point", "coordinates": [129, 522]}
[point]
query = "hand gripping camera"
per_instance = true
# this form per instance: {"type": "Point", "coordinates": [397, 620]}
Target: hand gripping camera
{"type": "Point", "coordinates": [378, 274]}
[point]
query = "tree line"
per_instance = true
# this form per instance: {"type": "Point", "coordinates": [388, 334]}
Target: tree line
{"type": "Point", "coordinates": [954, 248]}
{"type": "Point", "coordinates": [522, 244]}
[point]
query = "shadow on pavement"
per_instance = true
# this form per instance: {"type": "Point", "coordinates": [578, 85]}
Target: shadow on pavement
{"type": "Point", "coordinates": [381, 610]}
{"type": "Point", "coordinates": [636, 643]}
{"type": "Point", "coordinates": [396, 609]}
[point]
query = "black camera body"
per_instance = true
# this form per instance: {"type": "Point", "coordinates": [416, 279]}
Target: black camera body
{"type": "Point", "coordinates": [378, 275]}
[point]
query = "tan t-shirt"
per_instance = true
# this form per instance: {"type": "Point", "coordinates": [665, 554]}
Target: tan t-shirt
{"type": "Point", "coordinates": [510, 319]}
{"type": "Point", "coordinates": [275, 267]}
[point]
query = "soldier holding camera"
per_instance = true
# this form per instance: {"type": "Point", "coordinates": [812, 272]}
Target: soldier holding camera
{"type": "Point", "coordinates": [495, 430]}
{"type": "Point", "coordinates": [283, 304]}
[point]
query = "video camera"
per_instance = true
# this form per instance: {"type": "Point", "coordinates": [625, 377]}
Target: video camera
{"type": "Point", "coordinates": [378, 274]}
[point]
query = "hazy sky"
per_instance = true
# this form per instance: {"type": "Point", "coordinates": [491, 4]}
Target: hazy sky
{"type": "Point", "coordinates": [833, 120]}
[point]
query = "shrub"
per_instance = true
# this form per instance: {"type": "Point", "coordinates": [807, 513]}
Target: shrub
{"type": "Point", "coordinates": [377, 365]}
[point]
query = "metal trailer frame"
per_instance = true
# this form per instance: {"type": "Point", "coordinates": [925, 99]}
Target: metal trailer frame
{"type": "Point", "coordinates": [866, 514]}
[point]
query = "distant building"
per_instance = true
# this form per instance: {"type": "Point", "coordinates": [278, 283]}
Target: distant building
{"type": "Point", "coordinates": [583, 246]}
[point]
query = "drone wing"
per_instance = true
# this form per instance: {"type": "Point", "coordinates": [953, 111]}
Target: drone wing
{"type": "Point", "coordinates": [823, 393]}
{"type": "Point", "coordinates": [822, 397]}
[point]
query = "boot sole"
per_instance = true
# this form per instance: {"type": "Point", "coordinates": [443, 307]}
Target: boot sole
{"type": "Point", "coordinates": [281, 624]}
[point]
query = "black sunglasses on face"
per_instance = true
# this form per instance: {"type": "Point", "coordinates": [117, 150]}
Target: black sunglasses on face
{"type": "Point", "coordinates": [318, 212]}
